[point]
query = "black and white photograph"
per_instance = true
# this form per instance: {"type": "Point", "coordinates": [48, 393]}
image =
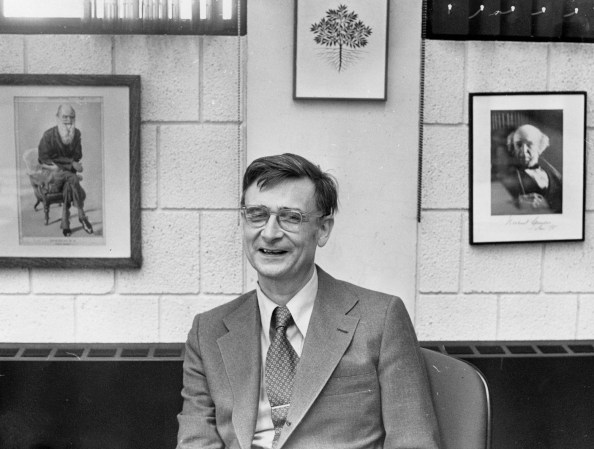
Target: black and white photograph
{"type": "Point", "coordinates": [69, 160]}
{"type": "Point", "coordinates": [298, 224]}
{"type": "Point", "coordinates": [527, 162]}
{"type": "Point", "coordinates": [523, 148]}
{"type": "Point", "coordinates": [60, 153]}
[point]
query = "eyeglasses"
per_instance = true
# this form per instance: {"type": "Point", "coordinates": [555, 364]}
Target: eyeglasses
{"type": "Point", "coordinates": [288, 219]}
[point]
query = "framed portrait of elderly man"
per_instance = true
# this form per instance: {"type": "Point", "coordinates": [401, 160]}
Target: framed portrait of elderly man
{"type": "Point", "coordinates": [527, 167]}
{"type": "Point", "coordinates": [69, 190]}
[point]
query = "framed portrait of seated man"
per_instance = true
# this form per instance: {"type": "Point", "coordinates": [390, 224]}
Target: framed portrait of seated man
{"type": "Point", "coordinates": [527, 167]}
{"type": "Point", "coordinates": [69, 164]}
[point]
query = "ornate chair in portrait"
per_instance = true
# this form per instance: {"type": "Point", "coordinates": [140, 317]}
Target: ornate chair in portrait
{"type": "Point", "coordinates": [36, 177]}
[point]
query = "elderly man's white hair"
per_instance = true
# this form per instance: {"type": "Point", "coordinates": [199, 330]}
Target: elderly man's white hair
{"type": "Point", "coordinates": [529, 132]}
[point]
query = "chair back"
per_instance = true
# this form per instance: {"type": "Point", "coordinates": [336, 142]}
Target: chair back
{"type": "Point", "coordinates": [461, 401]}
{"type": "Point", "coordinates": [31, 160]}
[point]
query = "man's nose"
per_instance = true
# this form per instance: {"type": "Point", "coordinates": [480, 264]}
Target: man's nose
{"type": "Point", "coordinates": [272, 229]}
{"type": "Point", "coordinates": [528, 150]}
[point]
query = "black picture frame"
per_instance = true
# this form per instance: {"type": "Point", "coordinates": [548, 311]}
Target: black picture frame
{"type": "Point", "coordinates": [527, 167]}
{"type": "Point", "coordinates": [108, 117]}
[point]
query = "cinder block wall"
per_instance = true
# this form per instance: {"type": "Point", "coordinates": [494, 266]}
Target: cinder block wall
{"type": "Point", "coordinates": [191, 161]}
{"type": "Point", "coordinates": [190, 186]}
{"type": "Point", "coordinates": [495, 292]}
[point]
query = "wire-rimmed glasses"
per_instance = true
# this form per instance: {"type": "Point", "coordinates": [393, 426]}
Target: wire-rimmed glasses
{"type": "Point", "coordinates": [288, 219]}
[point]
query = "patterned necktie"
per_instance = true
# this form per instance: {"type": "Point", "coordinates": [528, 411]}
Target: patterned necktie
{"type": "Point", "coordinates": [281, 364]}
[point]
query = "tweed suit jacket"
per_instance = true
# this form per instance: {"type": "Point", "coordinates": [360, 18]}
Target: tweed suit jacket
{"type": "Point", "coordinates": [360, 381]}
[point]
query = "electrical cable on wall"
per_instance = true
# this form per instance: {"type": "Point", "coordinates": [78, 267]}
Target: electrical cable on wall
{"type": "Point", "coordinates": [421, 115]}
{"type": "Point", "coordinates": [239, 86]}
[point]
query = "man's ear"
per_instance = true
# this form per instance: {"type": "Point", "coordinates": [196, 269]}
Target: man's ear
{"type": "Point", "coordinates": [325, 229]}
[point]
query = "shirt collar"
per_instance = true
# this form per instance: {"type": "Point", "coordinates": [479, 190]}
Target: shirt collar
{"type": "Point", "coordinates": [300, 305]}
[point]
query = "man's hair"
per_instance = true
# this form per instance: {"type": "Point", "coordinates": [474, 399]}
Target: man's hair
{"type": "Point", "coordinates": [542, 142]}
{"type": "Point", "coordinates": [63, 106]}
{"type": "Point", "coordinates": [270, 171]}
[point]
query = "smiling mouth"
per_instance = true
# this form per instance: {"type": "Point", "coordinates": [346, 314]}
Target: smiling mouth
{"type": "Point", "coordinates": [272, 252]}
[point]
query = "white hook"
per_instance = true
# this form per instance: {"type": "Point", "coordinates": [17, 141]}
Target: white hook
{"type": "Point", "coordinates": [575, 11]}
{"type": "Point", "coordinates": [502, 13]}
{"type": "Point", "coordinates": [542, 11]}
{"type": "Point", "coordinates": [478, 12]}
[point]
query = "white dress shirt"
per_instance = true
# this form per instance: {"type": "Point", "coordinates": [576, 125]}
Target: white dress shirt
{"type": "Point", "coordinates": [540, 177]}
{"type": "Point", "coordinates": [301, 307]}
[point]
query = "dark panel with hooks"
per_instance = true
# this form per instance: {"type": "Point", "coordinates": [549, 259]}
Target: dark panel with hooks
{"type": "Point", "coordinates": [521, 20]}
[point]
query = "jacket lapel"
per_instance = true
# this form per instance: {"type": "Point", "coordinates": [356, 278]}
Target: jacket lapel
{"type": "Point", "coordinates": [240, 350]}
{"type": "Point", "coordinates": [328, 336]}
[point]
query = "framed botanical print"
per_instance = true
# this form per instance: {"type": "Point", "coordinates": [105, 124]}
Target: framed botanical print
{"type": "Point", "coordinates": [340, 49]}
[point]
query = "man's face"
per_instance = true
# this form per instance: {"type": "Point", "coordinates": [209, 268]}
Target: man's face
{"type": "Point", "coordinates": [526, 146]}
{"type": "Point", "coordinates": [67, 116]}
{"type": "Point", "coordinates": [281, 256]}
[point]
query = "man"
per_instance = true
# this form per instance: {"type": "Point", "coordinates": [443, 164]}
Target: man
{"type": "Point", "coordinates": [305, 361]}
{"type": "Point", "coordinates": [533, 182]}
{"type": "Point", "coordinates": [59, 153]}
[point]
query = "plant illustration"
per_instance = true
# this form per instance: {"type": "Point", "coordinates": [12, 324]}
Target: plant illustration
{"type": "Point", "coordinates": [342, 35]}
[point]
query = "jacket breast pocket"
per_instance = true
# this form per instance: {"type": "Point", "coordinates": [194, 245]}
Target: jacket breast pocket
{"type": "Point", "coordinates": [361, 383]}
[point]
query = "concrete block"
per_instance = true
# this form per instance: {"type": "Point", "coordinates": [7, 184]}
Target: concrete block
{"type": "Point", "coordinates": [444, 98]}
{"type": "Point", "coordinates": [221, 100]}
{"type": "Point", "coordinates": [69, 53]}
{"type": "Point", "coordinates": [177, 313]}
{"type": "Point", "coordinates": [111, 319]}
{"type": "Point", "coordinates": [570, 69]}
{"type": "Point", "coordinates": [169, 69]}
{"type": "Point", "coordinates": [36, 319]}
{"type": "Point", "coordinates": [537, 317]}
{"type": "Point", "coordinates": [221, 252]}
{"type": "Point", "coordinates": [198, 166]}
{"type": "Point", "coordinates": [500, 268]}
{"type": "Point", "coordinates": [11, 53]}
{"type": "Point", "coordinates": [67, 281]}
{"type": "Point", "coordinates": [456, 317]}
{"type": "Point", "coordinates": [568, 267]}
{"type": "Point", "coordinates": [505, 66]}
{"type": "Point", "coordinates": [14, 280]}
{"type": "Point", "coordinates": [439, 251]}
{"type": "Point", "coordinates": [148, 168]}
{"type": "Point", "coordinates": [585, 325]}
{"type": "Point", "coordinates": [171, 251]}
{"type": "Point", "coordinates": [445, 167]}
